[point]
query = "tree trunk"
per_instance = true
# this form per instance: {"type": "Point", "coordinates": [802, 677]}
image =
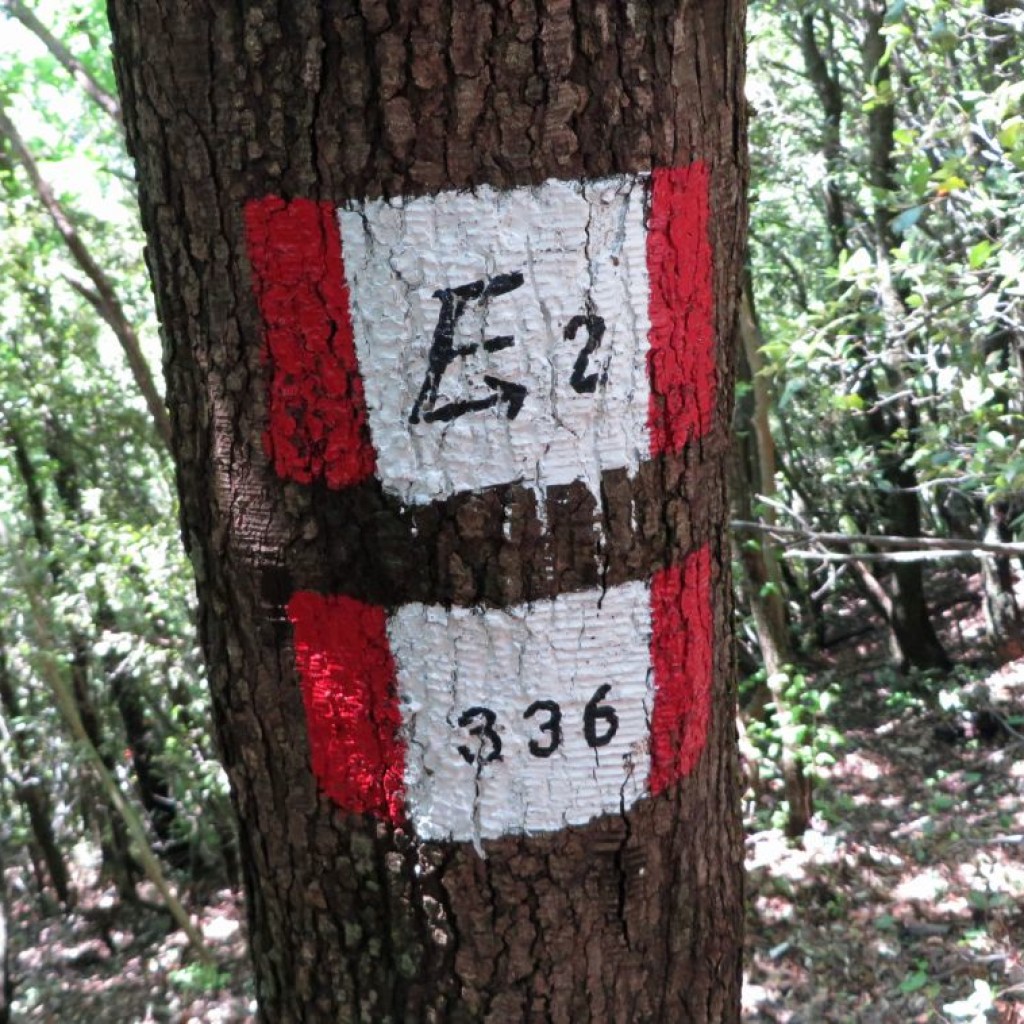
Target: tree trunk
{"type": "Point", "coordinates": [119, 865]}
{"type": "Point", "coordinates": [1001, 36]}
{"type": "Point", "coordinates": [830, 95]}
{"type": "Point", "coordinates": [1002, 614]}
{"type": "Point", "coordinates": [892, 425]}
{"type": "Point", "coordinates": [6, 977]}
{"type": "Point", "coordinates": [754, 468]}
{"type": "Point", "coordinates": [144, 744]}
{"type": "Point", "coordinates": [456, 505]}
{"type": "Point", "coordinates": [890, 428]}
{"type": "Point", "coordinates": [117, 860]}
{"type": "Point", "coordinates": [30, 789]}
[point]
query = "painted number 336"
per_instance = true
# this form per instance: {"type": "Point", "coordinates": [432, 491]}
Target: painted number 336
{"type": "Point", "coordinates": [600, 724]}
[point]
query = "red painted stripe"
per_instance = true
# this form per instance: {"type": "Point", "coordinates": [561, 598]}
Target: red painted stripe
{"type": "Point", "coordinates": [681, 358]}
{"type": "Point", "coordinates": [317, 425]}
{"type": "Point", "coordinates": [351, 696]}
{"type": "Point", "coordinates": [681, 653]}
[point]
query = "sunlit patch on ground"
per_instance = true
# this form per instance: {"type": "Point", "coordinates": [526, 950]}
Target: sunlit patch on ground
{"type": "Point", "coordinates": [905, 901]}
{"type": "Point", "coordinates": [106, 961]}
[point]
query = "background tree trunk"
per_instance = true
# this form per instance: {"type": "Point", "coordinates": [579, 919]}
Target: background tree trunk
{"type": "Point", "coordinates": [754, 474]}
{"type": "Point", "coordinates": [30, 787]}
{"type": "Point", "coordinates": [893, 425]}
{"type": "Point", "coordinates": [6, 978]}
{"type": "Point", "coordinates": [631, 916]}
{"type": "Point", "coordinates": [118, 863]}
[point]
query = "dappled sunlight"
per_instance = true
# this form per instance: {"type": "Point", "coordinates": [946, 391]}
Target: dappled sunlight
{"type": "Point", "coordinates": [378, 232]}
{"type": "Point", "coordinates": [927, 886]}
{"type": "Point", "coordinates": [110, 961]}
{"type": "Point", "coordinates": [906, 895]}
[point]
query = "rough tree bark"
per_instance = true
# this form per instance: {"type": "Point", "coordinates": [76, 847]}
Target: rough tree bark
{"type": "Point", "coordinates": [250, 124]}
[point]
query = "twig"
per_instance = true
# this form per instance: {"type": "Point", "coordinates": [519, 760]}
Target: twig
{"type": "Point", "coordinates": [876, 556]}
{"type": "Point", "coordinates": [913, 544]}
{"type": "Point", "coordinates": [65, 702]}
{"type": "Point", "coordinates": [1005, 723]}
{"type": "Point", "coordinates": [109, 307]}
{"type": "Point", "coordinates": [67, 60]}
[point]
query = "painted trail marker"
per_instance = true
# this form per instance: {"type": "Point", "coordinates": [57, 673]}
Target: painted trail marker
{"type": "Point", "coordinates": [456, 342]}
{"type": "Point", "coordinates": [472, 724]}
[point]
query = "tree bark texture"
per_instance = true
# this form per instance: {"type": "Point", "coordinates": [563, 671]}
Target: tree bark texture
{"type": "Point", "coordinates": [633, 915]}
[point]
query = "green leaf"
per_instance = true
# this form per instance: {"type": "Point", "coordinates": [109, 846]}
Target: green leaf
{"type": "Point", "coordinates": [857, 263]}
{"type": "Point", "coordinates": [978, 254]}
{"type": "Point", "coordinates": [854, 402]}
{"type": "Point", "coordinates": [918, 175]}
{"type": "Point", "coordinates": [942, 37]}
{"type": "Point", "coordinates": [895, 11]}
{"type": "Point", "coordinates": [913, 982]}
{"type": "Point", "coordinates": [1010, 134]}
{"type": "Point", "coordinates": [793, 386]}
{"type": "Point", "coordinates": [973, 393]}
{"type": "Point", "coordinates": [945, 184]}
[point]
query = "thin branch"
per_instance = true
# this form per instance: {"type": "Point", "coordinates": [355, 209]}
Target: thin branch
{"type": "Point", "coordinates": [915, 545]}
{"type": "Point", "coordinates": [86, 292]}
{"type": "Point", "coordinates": [893, 399]}
{"type": "Point", "coordinates": [67, 60]}
{"type": "Point", "coordinates": [874, 556]}
{"type": "Point", "coordinates": [110, 307]}
{"type": "Point", "coordinates": [1006, 724]}
{"type": "Point", "coordinates": [53, 677]}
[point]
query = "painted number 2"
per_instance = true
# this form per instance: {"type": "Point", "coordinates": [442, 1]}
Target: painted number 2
{"type": "Point", "coordinates": [600, 724]}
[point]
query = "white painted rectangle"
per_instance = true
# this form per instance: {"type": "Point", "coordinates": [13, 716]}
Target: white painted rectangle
{"type": "Point", "coordinates": [581, 252]}
{"type": "Point", "coordinates": [451, 661]}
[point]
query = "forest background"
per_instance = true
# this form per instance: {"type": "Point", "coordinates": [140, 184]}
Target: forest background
{"type": "Point", "coordinates": [878, 493]}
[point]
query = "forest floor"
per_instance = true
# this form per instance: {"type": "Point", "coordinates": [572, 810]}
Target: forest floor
{"type": "Point", "coordinates": [904, 902]}
{"type": "Point", "coordinates": [113, 963]}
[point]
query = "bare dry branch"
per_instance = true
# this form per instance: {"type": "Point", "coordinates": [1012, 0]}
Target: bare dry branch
{"type": "Point", "coordinates": [920, 547]}
{"type": "Point", "coordinates": [67, 60]}
{"type": "Point", "coordinates": [109, 305]}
